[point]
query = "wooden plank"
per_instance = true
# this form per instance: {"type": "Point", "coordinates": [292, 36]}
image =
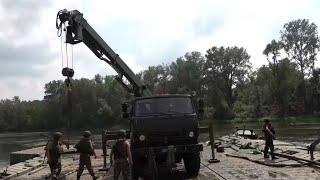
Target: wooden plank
{"type": "Point", "coordinates": [16, 168]}
{"type": "Point", "coordinates": [297, 158]}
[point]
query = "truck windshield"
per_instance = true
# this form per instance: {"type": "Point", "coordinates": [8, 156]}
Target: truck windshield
{"type": "Point", "coordinates": [175, 105]}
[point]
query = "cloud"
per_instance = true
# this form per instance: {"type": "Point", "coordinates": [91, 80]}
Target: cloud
{"type": "Point", "coordinates": [23, 60]}
{"type": "Point", "coordinates": [253, 24]}
{"type": "Point", "coordinates": [142, 32]}
{"type": "Point", "coordinates": [19, 17]}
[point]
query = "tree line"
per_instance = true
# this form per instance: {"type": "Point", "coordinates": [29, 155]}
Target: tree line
{"type": "Point", "coordinates": [287, 86]}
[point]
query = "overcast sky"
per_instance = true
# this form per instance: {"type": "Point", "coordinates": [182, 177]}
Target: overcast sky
{"type": "Point", "coordinates": [142, 32]}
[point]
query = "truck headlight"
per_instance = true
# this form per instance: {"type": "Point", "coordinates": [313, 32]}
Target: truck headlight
{"type": "Point", "coordinates": [142, 137]}
{"type": "Point", "coordinates": [191, 134]}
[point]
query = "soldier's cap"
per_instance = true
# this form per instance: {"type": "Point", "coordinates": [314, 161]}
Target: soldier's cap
{"type": "Point", "coordinates": [86, 133]}
{"type": "Point", "coordinates": [266, 120]}
{"type": "Point", "coordinates": [57, 135]}
{"type": "Point", "coordinates": [122, 133]}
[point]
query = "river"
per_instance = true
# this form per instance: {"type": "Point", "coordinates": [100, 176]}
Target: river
{"type": "Point", "coordinates": [301, 133]}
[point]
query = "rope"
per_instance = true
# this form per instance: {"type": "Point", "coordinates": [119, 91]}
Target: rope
{"type": "Point", "coordinates": [71, 56]}
{"type": "Point", "coordinates": [214, 171]}
{"type": "Point", "coordinates": [61, 28]}
{"type": "Point", "coordinates": [67, 54]}
{"type": "Point", "coordinates": [271, 165]}
{"type": "Point", "coordinates": [61, 51]}
{"type": "Point", "coordinates": [59, 23]}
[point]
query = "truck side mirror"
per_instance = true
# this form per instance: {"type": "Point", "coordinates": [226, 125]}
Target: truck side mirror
{"type": "Point", "coordinates": [200, 106]}
{"type": "Point", "coordinates": [125, 113]}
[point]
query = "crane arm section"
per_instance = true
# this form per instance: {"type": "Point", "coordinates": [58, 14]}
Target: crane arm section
{"type": "Point", "coordinates": [78, 30]}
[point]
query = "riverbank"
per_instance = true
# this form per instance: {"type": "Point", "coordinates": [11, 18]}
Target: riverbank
{"type": "Point", "coordinates": [298, 133]}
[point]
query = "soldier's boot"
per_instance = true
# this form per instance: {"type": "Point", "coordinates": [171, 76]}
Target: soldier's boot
{"type": "Point", "coordinates": [92, 174]}
{"type": "Point", "coordinates": [78, 175]}
{"type": "Point", "coordinates": [273, 157]}
{"type": "Point", "coordinates": [265, 152]}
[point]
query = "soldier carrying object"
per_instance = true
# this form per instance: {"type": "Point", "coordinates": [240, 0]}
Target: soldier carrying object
{"type": "Point", "coordinates": [85, 148]}
{"type": "Point", "coordinates": [121, 155]}
{"type": "Point", "coordinates": [53, 152]}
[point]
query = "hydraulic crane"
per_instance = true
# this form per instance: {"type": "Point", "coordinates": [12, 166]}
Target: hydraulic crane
{"type": "Point", "coordinates": [78, 30]}
{"type": "Point", "coordinates": [164, 129]}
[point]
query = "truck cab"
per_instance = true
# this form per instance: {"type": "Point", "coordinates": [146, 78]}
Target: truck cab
{"type": "Point", "coordinates": [166, 125]}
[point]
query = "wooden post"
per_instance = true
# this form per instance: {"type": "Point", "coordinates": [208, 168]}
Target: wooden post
{"type": "Point", "coordinates": [213, 158]}
{"type": "Point", "coordinates": [211, 141]}
{"type": "Point", "coordinates": [104, 150]}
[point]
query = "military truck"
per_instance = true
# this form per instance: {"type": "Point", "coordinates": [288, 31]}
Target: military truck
{"type": "Point", "coordinates": [163, 128]}
{"type": "Point", "coordinates": [160, 122]}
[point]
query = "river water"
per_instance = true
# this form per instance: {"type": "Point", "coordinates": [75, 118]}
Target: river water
{"type": "Point", "coordinates": [297, 133]}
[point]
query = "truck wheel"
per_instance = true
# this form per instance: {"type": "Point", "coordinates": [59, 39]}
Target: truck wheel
{"type": "Point", "coordinates": [192, 164]}
{"type": "Point", "coordinates": [136, 172]}
{"type": "Point", "coordinates": [137, 167]}
{"type": "Point", "coordinates": [150, 171]}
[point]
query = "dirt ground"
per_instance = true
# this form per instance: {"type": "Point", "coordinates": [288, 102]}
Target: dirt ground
{"type": "Point", "coordinates": [228, 168]}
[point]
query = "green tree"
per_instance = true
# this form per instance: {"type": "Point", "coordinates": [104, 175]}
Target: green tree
{"type": "Point", "coordinates": [224, 70]}
{"type": "Point", "coordinates": [187, 73]}
{"type": "Point", "coordinates": [301, 43]}
{"type": "Point", "coordinates": [156, 79]}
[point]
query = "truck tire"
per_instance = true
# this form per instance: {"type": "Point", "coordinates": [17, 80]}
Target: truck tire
{"type": "Point", "coordinates": [192, 164]}
{"type": "Point", "coordinates": [137, 167]}
{"type": "Point", "coordinates": [150, 171]}
{"type": "Point", "coordinates": [136, 172]}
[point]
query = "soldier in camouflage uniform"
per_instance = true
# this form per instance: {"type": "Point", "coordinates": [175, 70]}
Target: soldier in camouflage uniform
{"type": "Point", "coordinates": [269, 136]}
{"type": "Point", "coordinates": [121, 155]}
{"type": "Point", "coordinates": [53, 152]}
{"type": "Point", "coordinates": [85, 148]}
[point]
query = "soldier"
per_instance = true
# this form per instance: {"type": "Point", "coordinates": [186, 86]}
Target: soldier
{"type": "Point", "coordinates": [53, 152]}
{"type": "Point", "coordinates": [312, 147]}
{"type": "Point", "coordinates": [269, 135]}
{"type": "Point", "coordinates": [85, 148]}
{"type": "Point", "coordinates": [121, 155]}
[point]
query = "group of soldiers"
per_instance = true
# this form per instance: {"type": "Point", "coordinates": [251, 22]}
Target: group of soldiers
{"type": "Point", "coordinates": [120, 155]}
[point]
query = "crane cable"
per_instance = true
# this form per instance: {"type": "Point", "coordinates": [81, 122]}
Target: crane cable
{"type": "Point", "coordinates": [72, 56]}
{"type": "Point", "coordinates": [67, 54]}
{"type": "Point", "coordinates": [61, 49]}
{"type": "Point", "coordinates": [66, 71]}
{"type": "Point", "coordinates": [59, 24]}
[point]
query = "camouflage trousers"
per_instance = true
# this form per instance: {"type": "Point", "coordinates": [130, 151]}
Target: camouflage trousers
{"type": "Point", "coordinates": [84, 161]}
{"type": "Point", "coordinates": [121, 165]}
{"type": "Point", "coordinates": [55, 168]}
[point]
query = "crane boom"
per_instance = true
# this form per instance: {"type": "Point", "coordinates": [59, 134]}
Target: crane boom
{"type": "Point", "coordinates": [79, 30]}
